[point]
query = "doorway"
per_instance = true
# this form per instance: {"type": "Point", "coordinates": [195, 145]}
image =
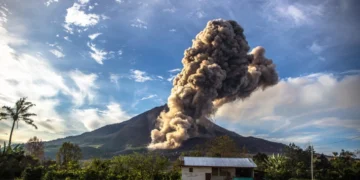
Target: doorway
{"type": "Point", "coordinates": [207, 176]}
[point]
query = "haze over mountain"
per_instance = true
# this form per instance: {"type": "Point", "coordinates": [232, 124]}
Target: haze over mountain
{"type": "Point", "coordinates": [134, 135]}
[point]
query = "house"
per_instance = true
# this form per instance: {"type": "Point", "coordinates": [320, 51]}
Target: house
{"type": "Point", "coordinates": [217, 168]}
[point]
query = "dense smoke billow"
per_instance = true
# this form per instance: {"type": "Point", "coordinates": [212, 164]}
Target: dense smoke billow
{"type": "Point", "coordinates": [217, 70]}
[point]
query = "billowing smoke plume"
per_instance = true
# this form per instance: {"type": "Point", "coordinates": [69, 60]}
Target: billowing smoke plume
{"type": "Point", "coordinates": [217, 70]}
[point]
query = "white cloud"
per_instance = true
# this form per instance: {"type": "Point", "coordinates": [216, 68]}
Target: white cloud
{"type": "Point", "coordinates": [297, 14]}
{"type": "Point", "coordinates": [175, 70]}
{"type": "Point", "coordinates": [170, 10]}
{"type": "Point", "coordinates": [94, 36]}
{"type": "Point", "coordinates": [119, 1]}
{"type": "Point", "coordinates": [91, 8]}
{"type": "Point", "coordinates": [321, 58]}
{"type": "Point", "coordinates": [139, 76]}
{"type": "Point", "coordinates": [200, 14]}
{"type": "Point", "coordinates": [95, 118]}
{"type": "Point", "coordinates": [67, 38]}
{"type": "Point", "coordinates": [104, 17]}
{"type": "Point", "coordinates": [114, 78]}
{"type": "Point", "coordinates": [47, 3]}
{"type": "Point", "coordinates": [85, 87]}
{"type": "Point", "coordinates": [330, 122]}
{"type": "Point", "coordinates": [25, 75]}
{"type": "Point", "coordinates": [171, 78]}
{"type": "Point", "coordinates": [98, 55]}
{"type": "Point", "coordinates": [160, 77]}
{"type": "Point", "coordinates": [120, 52]}
{"type": "Point", "coordinates": [297, 139]}
{"type": "Point", "coordinates": [172, 30]}
{"type": "Point", "coordinates": [3, 14]}
{"type": "Point", "coordinates": [57, 53]}
{"type": "Point", "coordinates": [296, 101]}
{"type": "Point", "coordinates": [138, 23]}
{"type": "Point", "coordinates": [75, 16]}
{"type": "Point", "coordinates": [316, 48]}
{"type": "Point", "coordinates": [148, 97]}
{"type": "Point", "coordinates": [83, 1]}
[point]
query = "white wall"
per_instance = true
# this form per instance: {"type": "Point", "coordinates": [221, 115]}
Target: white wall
{"type": "Point", "coordinates": [197, 174]}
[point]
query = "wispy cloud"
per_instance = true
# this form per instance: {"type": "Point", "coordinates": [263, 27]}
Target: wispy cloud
{"type": "Point", "coordinates": [169, 10]}
{"type": "Point", "coordinates": [138, 23]}
{"type": "Point", "coordinates": [171, 78]}
{"type": "Point", "coordinates": [94, 118]}
{"type": "Point", "coordinates": [172, 30]}
{"type": "Point", "coordinates": [297, 14]}
{"type": "Point", "coordinates": [175, 70]}
{"type": "Point", "coordinates": [83, 1]}
{"type": "Point", "coordinates": [86, 87]}
{"type": "Point", "coordinates": [57, 53]}
{"type": "Point", "coordinates": [120, 52]}
{"type": "Point", "coordinates": [94, 36]}
{"type": "Point", "coordinates": [139, 76]}
{"type": "Point", "coordinates": [114, 78]}
{"type": "Point", "coordinates": [47, 3]}
{"type": "Point", "coordinates": [67, 38]}
{"type": "Point", "coordinates": [148, 97]}
{"type": "Point", "coordinates": [98, 55]}
{"type": "Point", "coordinates": [316, 48]}
{"type": "Point", "coordinates": [119, 1]}
{"type": "Point", "coordinates": [173, 74]}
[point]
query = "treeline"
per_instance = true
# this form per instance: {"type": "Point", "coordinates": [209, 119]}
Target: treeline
{"type": "Point", "coordinates": [295, 164]}
{"type": "Point", "coordinates": [19, 163]}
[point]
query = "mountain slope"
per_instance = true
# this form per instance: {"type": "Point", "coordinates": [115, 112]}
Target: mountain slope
{"type": "Point", "coordinates": [134, 135]}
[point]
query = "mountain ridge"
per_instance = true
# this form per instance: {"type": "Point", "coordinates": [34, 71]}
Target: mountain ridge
{"type": "Point", "coordinates": [134, 135]}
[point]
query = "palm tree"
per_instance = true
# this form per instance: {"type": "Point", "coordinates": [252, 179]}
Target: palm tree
{"type": "Point", "coordinates": [17, 113]}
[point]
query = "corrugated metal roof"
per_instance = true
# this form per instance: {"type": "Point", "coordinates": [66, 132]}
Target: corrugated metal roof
{"type": "Point", "coordinates": [219, 162]}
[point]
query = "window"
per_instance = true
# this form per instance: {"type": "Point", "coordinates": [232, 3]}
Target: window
{"type": "Point", "coordinates": [224, 172]}
{"type": "Point", "coordinates": [215, 171]}
{"type": "Point", "coordinates": [190, 169]}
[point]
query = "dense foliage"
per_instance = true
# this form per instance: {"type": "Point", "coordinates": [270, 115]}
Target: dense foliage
{"type": "Point", "coordinates": [296, 163]}
{"type": "Point", "coordinates": [14, 163]}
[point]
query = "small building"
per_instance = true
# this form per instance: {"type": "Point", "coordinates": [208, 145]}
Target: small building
{"type": "Point", "coordinates": [217, 168]}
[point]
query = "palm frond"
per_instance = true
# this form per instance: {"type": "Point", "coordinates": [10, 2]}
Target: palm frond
{"type": "Point", "coordinates": [30, 122]}
{"type": "Point", "coordinates": [28, 115]}
{"type": "Point", "coordinates": [25, 108]}
{"type": "Point", "coordinates": [9, 110]}
{"type": "Point", "coordinates": [19, 104]}
{"type": "Point", "coordinates": [3, 115]}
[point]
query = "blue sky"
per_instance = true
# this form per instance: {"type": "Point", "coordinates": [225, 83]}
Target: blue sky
{"type": "Point", "coordinates": [88, 63]}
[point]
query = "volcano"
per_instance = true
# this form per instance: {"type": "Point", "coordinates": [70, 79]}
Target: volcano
{"type": "Point", "coordinates": [133, 135]}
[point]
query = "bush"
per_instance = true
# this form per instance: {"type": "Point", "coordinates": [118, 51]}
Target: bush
{"type": "Point", "coordinates": [33, 173]}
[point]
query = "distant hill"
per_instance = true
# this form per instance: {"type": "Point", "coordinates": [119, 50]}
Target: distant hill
{"type": "Point", "coordinates": [134, 135]}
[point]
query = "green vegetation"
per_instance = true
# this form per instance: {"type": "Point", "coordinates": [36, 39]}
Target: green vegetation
{"type": "Point", "coordinates": [295, 165]}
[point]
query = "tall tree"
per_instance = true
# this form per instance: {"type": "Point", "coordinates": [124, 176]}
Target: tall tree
{"type": "Point", "coordinates": [68, 152]}
{"type": "Point", "coordinates": [223, 146]}
{"type": "Point", "coordinates": [35, 147]}
{"type": "Point", "coordinates": [17, 113]}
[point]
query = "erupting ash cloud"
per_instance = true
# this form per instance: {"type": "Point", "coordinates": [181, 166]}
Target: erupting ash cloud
{"type": "Point", "coordinates": [217, 70]}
